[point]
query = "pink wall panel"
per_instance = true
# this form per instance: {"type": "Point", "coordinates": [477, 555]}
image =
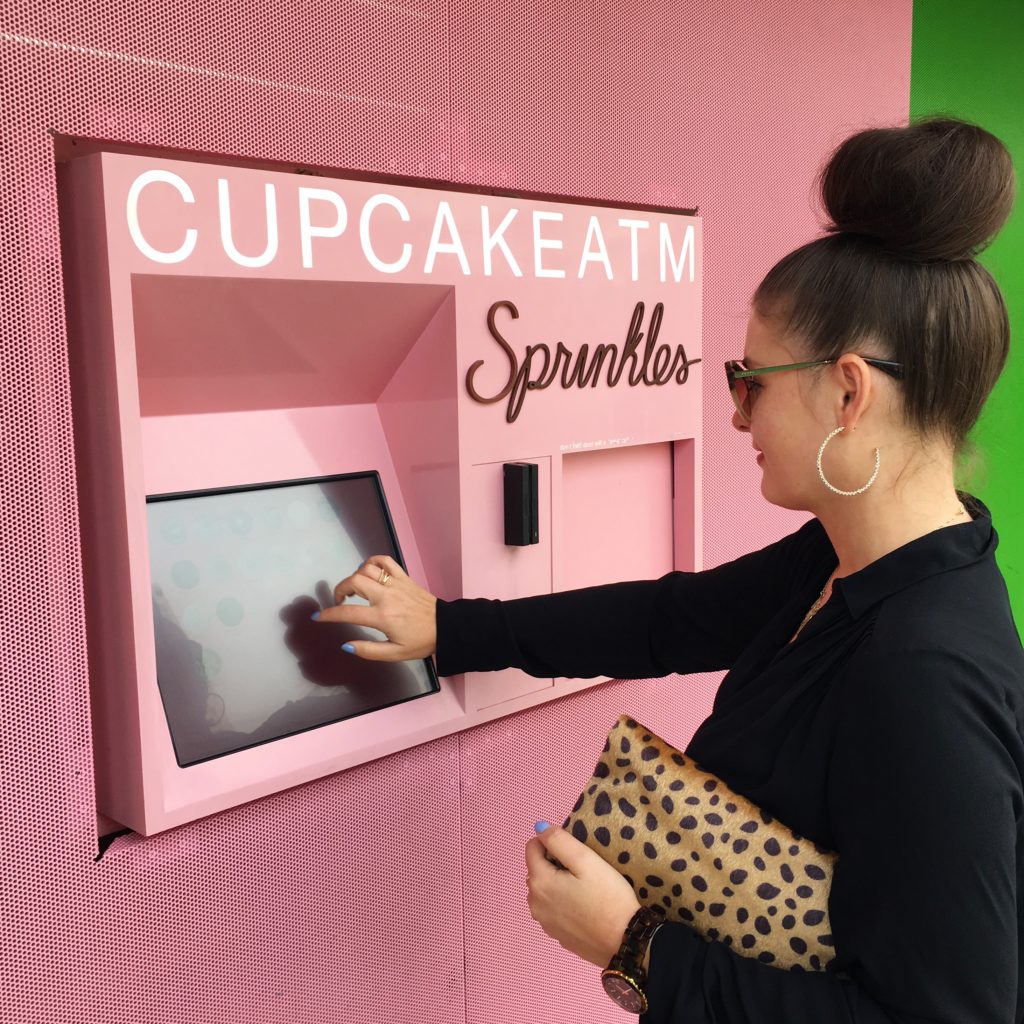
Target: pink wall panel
{"type": "Point", "coordinates": [515, 94]}
{"type": "Point", "coordinates": [593, 550]}
{"type": "Point", "coordinates": [392, 892]}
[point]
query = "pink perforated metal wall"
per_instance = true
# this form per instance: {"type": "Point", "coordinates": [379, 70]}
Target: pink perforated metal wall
{"type": "Point", "coordinates": [392, 892]}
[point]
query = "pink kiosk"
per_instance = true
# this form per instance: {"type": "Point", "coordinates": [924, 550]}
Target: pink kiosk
{"type": "Point", "coordinates": [277, 374]}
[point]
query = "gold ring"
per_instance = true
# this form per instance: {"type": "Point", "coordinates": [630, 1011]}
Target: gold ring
{"type": "Point", "coordinates": [384, 576]}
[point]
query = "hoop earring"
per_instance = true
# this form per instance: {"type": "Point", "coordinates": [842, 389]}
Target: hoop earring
{"type": "Point", "coordinates": [831, 487]}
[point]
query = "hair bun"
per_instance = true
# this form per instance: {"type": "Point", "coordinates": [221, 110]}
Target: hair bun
{"type": "Point", "coordinates": [938, 189]}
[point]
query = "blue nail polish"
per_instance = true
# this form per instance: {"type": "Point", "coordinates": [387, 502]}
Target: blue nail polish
{"type": "Point", "coordinates": [348, 648]}
{"type": "Point", "coordinates": [541, 826]}
{"type": "Point", "coordinates": [315, 616]}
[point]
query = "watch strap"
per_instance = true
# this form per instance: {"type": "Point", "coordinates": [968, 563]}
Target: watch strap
{"type": "Point", "coordinates": [628, 962]}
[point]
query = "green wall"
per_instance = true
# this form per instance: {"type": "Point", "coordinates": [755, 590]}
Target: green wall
{"type": "Point", "coordinates": [967, 61]}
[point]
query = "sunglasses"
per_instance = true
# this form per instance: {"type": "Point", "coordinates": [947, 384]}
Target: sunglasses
{"type": "Point", "coordinates": [743, 388]}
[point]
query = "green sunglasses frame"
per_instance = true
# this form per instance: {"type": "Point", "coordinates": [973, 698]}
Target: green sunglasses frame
{"type": "Point", "coordinates": [735, 370]}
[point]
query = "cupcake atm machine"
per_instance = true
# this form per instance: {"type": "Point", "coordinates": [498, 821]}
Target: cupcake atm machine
{"type": "Point", "coordinates": [278, 374]}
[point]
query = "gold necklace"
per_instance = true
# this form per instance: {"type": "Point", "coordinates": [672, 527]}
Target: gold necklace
{"type": "Point", "coordinates": [817, 603]}
{"type": "Point", "coordinates": [816, 607]}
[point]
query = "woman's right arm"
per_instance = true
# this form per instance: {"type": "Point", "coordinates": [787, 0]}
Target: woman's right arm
{"type": "Point", "coordinates": [683, 622]}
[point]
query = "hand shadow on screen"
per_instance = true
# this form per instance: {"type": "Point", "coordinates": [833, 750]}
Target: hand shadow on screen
{"type": "Point", "coordinates": [192, 709]}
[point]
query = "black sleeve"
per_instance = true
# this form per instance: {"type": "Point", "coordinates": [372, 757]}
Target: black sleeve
{"type": "Point", "coordinates": [925, 796]}
{"type": "Point", "coordinates": [683, 622]}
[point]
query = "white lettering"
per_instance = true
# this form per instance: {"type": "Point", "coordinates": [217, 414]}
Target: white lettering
{"type": "Point", "coordinates": [383, 199]}
{"type": "Point", "coordinates": [540, 244]}
{"type": "Point", "coordinates": [497, 240]}
{"type": "Point", "coordinates": [191, 235]}
{"type": "Point", "coordinates": [667, 250]}
{"type": "Point", "coordinates": [308, 231]}
{"type": "Point", "coordinates": [589, 255]}
{"type": "Point", "coordinates": [226, 239]}
{"type": "Point", "coordinates": [633, 226]}
{"type": "Point", "coordinates": [444, 218]}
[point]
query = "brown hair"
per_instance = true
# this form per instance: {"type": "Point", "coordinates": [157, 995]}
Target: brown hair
{"type": "Point", "coordinates": [895, 277]}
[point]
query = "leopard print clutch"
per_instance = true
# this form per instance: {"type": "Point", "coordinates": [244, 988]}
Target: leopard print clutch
{"type": "Point", "coordinates": [713, 859]}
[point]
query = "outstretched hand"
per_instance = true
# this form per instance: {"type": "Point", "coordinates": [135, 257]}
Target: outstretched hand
{"type": "Point", "coordinates": [397, 606]}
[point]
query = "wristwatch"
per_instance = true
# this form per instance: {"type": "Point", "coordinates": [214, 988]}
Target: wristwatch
{"type": "Point", "coordinates": [624, 979]}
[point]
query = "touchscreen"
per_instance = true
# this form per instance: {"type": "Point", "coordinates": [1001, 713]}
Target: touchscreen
{"type": "Point", "coordinates": [236, 576]}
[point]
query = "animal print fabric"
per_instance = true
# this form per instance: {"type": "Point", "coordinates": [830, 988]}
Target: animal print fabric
{"type": "Point", "coordinates": [683, 839]}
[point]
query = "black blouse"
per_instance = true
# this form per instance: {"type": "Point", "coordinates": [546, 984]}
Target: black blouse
{"type": "Point", "coordinates": [889, 731]}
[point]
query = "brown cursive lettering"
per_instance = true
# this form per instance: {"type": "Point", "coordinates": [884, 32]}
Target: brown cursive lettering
{"type": "Point", "coordinates": [538, 370]}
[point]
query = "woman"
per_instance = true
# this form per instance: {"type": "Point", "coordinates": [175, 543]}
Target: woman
{"type": "Point", "coordinates": [874, 700]}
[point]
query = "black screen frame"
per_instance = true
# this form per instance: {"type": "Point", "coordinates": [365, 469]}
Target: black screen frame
{"type": "Point", "coordinates": [385, 512]}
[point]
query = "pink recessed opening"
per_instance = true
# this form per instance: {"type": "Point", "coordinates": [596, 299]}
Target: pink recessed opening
{"type": "Point", "coordinates": [220, 344]}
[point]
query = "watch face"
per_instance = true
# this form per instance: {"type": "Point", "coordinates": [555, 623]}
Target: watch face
{"type": "Point", "coordinates": [623, 992]}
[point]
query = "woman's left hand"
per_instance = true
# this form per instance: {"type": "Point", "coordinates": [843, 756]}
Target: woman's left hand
{"type": "Point", "coordinates": [585, 907]}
